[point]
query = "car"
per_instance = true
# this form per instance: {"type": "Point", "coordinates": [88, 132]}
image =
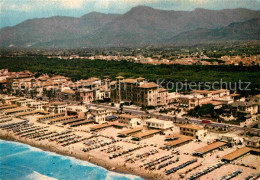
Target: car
{"type": "Point", "coordinates": [206, 121]}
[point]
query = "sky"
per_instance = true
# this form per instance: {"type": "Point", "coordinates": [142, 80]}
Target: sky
{"type": "Point", "coordinates": [13, 12]}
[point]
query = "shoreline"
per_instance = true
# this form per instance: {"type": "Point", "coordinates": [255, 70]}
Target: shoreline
{"type": "Point", "coordinates": [109, 166]}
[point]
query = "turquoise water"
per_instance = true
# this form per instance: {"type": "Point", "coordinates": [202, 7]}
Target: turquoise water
{"type": "Point", "coordinates": [23, 162]}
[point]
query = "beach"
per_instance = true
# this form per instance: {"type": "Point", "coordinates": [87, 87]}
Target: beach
{"type": "Point", "coordinates": [147, 158]}
{"type": "Point", "coordinates": [76, 151]}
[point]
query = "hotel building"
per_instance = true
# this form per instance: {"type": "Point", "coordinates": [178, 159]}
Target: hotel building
{"type": "Point", "coordinates": [138, 91]}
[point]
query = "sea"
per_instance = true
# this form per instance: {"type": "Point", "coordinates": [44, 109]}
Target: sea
{"type": "Point", "coordinates": [23, 162]}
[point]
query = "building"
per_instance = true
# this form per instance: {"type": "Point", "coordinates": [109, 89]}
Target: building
{"type": "Point", "coordinates": [253, 142]}
{"type": "Point", "coordinates": [130, 132]}
{"type": "Point", "coordinates": [213, 93]}
{"type": "Point", "coordinates": [209, 148]}
{"type": "Point", "coordinates": [173, 97]}
{"type": "Point", "coordinates": [67, 94]}
{"type": "Point", "coordinates": [145, 134]}
{"type": "Point", "coordinates": [239, 153]}
{"type": "Point", "coordinates": [85, 95]}
{"type": "Point", "coordinates": [79, 111]}
{"type": "Point", "coordinates": [195, 131]}
{"type": "Point", "coordinates": [37, 105]}
{"type": "Point", "coordinates": [56, 107]}
{"type": "Point", "coordinates": [125, 118]}
{"type": "Point", "coordinates": [9, 99]}
{"type": "Point", "coordinates": [190, 101]}
{"type": "Point", "coordinates": [200, 97]}
{"type": "Point", "coordinates": [99, 115]}
{"type": "Point", "coordinates": [130, 120]}
{"type": "Point", "coordinates": [135, 122]}
{"type": "Point", "coordinates": [16, 110]}
{"type": "Point", "coordinates": [25, 102]}
{"type": "Point", "coordinates": [162, 98]}
{"type": "Point", "coordinates": [138, 91]}
{"type": "Point", "coordinates": [176, 140]}
{"type": "Point", "coordinates": [58, 78]}
{"type": "Point", "coordinates": [102, 94]}
{"type": "Point", "coordinates": [15, 101]}
{"type": "Point", "coordinates": [158, 124]}
{"type": "Point", "coordinates": [91, 83]}
{"type": "Point", "coordinates": [243, 107]}
{"type": "Point", "coordinates": [232, 139]}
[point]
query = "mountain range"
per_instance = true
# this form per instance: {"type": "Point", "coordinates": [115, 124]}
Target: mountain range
{"type": "Point", "coordinates": [141, 25]}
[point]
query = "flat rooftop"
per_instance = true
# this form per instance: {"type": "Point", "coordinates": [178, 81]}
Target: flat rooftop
{"type": "Point", "coordinates": [191, 126]}
{"type": "Point", "coordinates": [118, 124]}
{"type": "Point", "coordinates": [128, 116]}
{"type": "Point", "coordinates": [210, 147]}
{"type": "Point", "coordinates": [61, 118]}
{"type": "Point", "coordinates": [51, 116]}
{"type": "Point", "coordinates": [81, 123]}
{"type": "Point", "coordinates": [57, 103]}
{"type": "Point", "coordinates": [101, 126]}
{"type": "Point", "coordinates": [15, 109]}
{"type": "Point", "coordinates": [145, 133]}
{"type": "Point", "coordinates": [32, 112]}
{"type": "Point", "coordinates": [238, 153]}
{"type": "Point", "coordinates": [130, 131]}
{"type": "Point", "coordinates": [154, 120]}
{"type": "Point", "coordinates": [180, 139]}
{"type": "Point", "coordinates": [8, 107]}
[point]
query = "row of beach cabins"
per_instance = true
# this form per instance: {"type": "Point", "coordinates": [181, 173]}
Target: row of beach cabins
{"type": "Point", "coordinates": [25, 129]}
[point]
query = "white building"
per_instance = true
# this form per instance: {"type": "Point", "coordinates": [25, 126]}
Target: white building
{"type": "Point", "coordinates": [25, 102]}
{"type": "Point", "coordinates": [135, 122]}
{"type": "Point", "coordinates": [57, 107]}
{"type": "Point", "coordinates": [80, 111]}
{"type": "Point", "coordinates": [99, 114]}
{"type": "Point", "coordinates": [37, 105]}
{"type": "Point", "coordinates": [195, 131]}
{"type": "Point", "coordinates": [101, 94]}
{"type": "Point", "coordinates": [158, 124]}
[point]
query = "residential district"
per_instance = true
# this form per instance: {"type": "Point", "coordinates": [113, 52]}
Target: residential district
{"type": "Point", "coordinates": [194, 59]}
{"type": "Point", "coordinates": [133, 126]}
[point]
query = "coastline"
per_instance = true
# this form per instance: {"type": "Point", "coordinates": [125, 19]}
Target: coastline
{"type": "Point", "coordinates": [108, 165]}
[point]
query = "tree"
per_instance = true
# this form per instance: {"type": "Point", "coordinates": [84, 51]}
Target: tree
{"type": "Point", "coordinates": [121, 107]}
{"type": "Point", "coordinates": [51, 94]}
{"type": "Point", "coordinates": [206, 109]}
{"type": "Point", "coordinates": [33, 92]}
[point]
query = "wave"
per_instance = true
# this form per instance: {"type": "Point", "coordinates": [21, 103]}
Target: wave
{"type": "Point", "coordinates": [32, 173]}
{"type": "Point", "coordinates": [111, 174]}
{"type": "Point", "coordinates": [15, 154]}
{"type": "Point", "coordinates": [20, 145]}
{"type": "Point", "coordinates": [80, 162]}
{"type": "Point", "coordinates": [37, 176]}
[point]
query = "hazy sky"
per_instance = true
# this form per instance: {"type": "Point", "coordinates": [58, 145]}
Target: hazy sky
{"type": "Point", "coordinates": [13, 12]}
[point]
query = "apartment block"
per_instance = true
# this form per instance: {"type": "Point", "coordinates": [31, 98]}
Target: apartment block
{"type": "Point", "coordinates": [138, 91]}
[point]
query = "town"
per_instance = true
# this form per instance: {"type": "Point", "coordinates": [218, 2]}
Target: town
{"type": "Point", "coordinates": [193, 59]}
{"type": "Point", "coordinates": [133, 125]}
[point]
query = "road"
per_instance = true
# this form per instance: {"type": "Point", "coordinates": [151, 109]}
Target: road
{"type": "Point", "coordinates": [168, 117]}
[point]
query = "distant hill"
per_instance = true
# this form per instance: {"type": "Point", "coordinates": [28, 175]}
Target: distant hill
{"type": "Point", "coordinates": [41, 30]}
{"type": "Point", "coordinates": [248, 30]}
{"type": "Point", "coordinates": [140, 26]}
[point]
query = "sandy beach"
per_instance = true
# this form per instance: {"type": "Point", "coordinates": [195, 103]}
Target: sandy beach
{"type": "Point", "coordinates": [98, 148]}
{"type": "Point", "coordinates": [75, 150]}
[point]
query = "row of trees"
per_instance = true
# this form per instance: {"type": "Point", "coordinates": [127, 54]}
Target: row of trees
{"type": "Point", "coordinates": [82, 69]}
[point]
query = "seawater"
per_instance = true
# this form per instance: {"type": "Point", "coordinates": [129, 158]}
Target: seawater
{"type": "Point", "coordinates": [23, 162]}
